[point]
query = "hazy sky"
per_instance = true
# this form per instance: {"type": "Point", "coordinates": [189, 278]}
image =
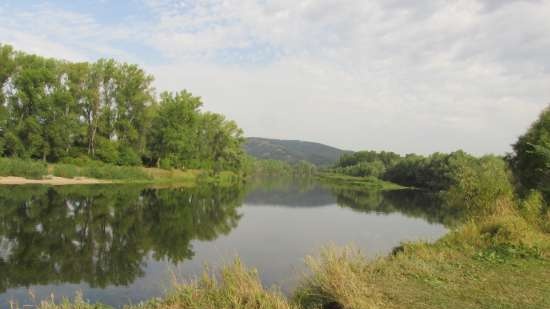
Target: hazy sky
{"type": "Point", "coordinates": [407, 76]}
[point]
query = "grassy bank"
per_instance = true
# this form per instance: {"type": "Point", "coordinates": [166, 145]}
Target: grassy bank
{"type": "Point", "coordinates": [497, 257]}
{"type": "Point", "coordinates": [31, 169]}
{"type": "Point", "coordinates": [373, 183]}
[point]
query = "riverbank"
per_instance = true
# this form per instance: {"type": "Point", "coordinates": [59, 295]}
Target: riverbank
{"type": "Point", "coordinates": [372, 183]}
{"type": "Point", "coordinates": [15, 171]}
{"type": "Point", "coordinates": [498, 257]}
{"type": "Point", "coordinates": [423, 277]}
{"type": "Point", "coordinates": [52, 180]}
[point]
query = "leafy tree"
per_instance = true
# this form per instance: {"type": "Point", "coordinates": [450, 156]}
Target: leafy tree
{"type": "Point", "coordinates": [530, 160]}
{"type": "Point", "coordinates": [53, 110]}
{"type": "Point", "coordinates": [173, 134]}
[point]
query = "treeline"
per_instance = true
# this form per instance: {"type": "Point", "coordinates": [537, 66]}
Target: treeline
{"type": "Point", "coordinates": [277, 168]}
{"type": "Point", "coordinates": [55, 110]}
{"type": "Point", "coordinates": [436, 172]}
{"type": "Point", "coordinates": [528, 167]}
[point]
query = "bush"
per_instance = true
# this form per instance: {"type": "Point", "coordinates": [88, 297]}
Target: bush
{"type": "Point", "coordinates": [106, 151]}
{"type": "Point", "coordinates": [82, 160]}
{"type": "Point", "coordinates": [127, 156]}
{"type": "Point", "coordinates": [479, 185]}
{"type": "Point", "coordinates": [99, 170]}
{"type": "Point", "coordinates": [531, 208]}
{"type": "Point", "coordinates": [66, 171]}
{"type": "Point", "coordinates": [22, 168]}
{"type": "Point", "coordinates": [108, 171]}
{"type": "Point", "coordinates": [165, 164]}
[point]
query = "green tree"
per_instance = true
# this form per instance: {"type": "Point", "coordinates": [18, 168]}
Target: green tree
{"type": "Point", "coordinates": [107, 111]}
{"type": "Point", "coordinates": [530, 160]}
{"type": "Point", "coordinates": [173, 135]}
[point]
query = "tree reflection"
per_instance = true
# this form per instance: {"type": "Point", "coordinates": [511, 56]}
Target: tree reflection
{"type": "Point", "coordinates": [101, 235]}
{"type": "Point", "coordinates": [412, 203]}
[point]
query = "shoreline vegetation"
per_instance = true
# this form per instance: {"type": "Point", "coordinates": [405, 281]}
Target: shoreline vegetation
{"type": "Point", "coordinates": [14, 171]}
{"type": "Point", "coordinates": [102, 120]}
{"type": "Point", "coordinates": [496, 256]}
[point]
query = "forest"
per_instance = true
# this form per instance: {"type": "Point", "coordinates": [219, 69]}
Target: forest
{"type": "Point", "coordinates": [107, 111]}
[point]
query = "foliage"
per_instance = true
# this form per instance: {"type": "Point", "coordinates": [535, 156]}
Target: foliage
{"type": "Point", "coordinates": [238, 287]}
{"type": "Point", "coordinates": [23, 168]}
{"type": "Point", "coordinates": [479, 185]}
{"type": "Point", "coordinates": [275, 168]}
{"type": "Point", "coordinates": [66, 170]}
{"type": "Point", "coordinates": [530, 160]}
{"type": "Point", "coordinates": [53, 110]}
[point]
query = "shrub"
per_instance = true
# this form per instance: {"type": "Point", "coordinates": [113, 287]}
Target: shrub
{"type": "Point", "coordinates": [106, 151]}
{"type": "Point", "coordinates": [82, 160]}
{"type": "Point", "coordinates": [546, 221]}
{"type": "Point", "coordinates": [66, 170]}
{"type": "Point", "coordinates": [479, 185]}
{"type": "Point", "coordinates": [531, 208]}
{"type": "Point", "coordinates": [108, 171]}
{"type": "Point", "coordinates": [22, 168]}
{"type": "Point", "coordinates": [165, 164]}
{"type": "Point", "coordinates": [127, 156]}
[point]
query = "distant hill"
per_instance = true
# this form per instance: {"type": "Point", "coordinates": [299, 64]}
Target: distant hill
{"type": "Point", "coordinates": [292, 151]}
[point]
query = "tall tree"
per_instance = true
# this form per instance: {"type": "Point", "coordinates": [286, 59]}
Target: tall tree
{"type": "Point", "coordinates": [173, 136]}
{"type": "Point", "coordinates": [531, 158]}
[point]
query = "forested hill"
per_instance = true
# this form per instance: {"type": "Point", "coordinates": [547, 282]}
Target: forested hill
{"type": "Point", "coordinates": [292, 151]}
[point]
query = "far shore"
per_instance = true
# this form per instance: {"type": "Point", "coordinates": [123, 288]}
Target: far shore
{"type": "Point", "coordinates": [51, 180]}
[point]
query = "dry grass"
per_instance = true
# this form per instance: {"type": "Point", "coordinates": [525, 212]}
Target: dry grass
{"type": "Point", "coordinates": [238, 287]}
{"type": "Point", "coordinates": [339, 279]}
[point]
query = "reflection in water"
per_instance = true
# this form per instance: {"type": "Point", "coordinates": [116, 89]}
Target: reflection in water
{"type": "Point", "coordinates": [101, 234]}
{"type": "Point", "coordinates": [412, 203]}
{"type": "Point", "coordinates": [116, 242]}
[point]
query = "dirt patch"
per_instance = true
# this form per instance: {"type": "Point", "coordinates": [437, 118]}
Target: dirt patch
{"type": "Point", "coordinates": [51, 180]}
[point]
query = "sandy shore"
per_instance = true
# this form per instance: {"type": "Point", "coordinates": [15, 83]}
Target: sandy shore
{"type": "Point", "coordinates": [56, 181]}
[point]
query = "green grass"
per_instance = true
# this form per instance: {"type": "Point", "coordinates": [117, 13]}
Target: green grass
{"type": "Point", "coordinates": [500, 260]}
{"type": "Point", "coordinates": [100, 171]}
{"type": "Point", "coordinates": [32, 169]}
{"type": "Point", "coordinates": [22, 168]}
{"type": "Point", "coordinates": [237, 287]}
{"type": "Point", "coordinates": [362, 182]}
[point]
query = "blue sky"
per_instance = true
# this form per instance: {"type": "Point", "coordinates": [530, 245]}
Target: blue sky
{"type": "Point", "coordinates": [408, 76]}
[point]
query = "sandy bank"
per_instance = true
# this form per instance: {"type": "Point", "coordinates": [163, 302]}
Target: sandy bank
{"type": "Point", "coordinates": [56, 181]}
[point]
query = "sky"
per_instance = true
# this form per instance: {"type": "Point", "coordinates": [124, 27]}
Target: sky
{"type": "Point", "coordinates": [405, 76]}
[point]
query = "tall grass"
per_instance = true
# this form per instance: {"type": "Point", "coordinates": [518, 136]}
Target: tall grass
{"type": "Point", "coordinates": [339, 279]}
{"type": "Point", "coordinates": [100, 171]}
{"type": "Point", "coordinates": [237, 287]}
{"type": "Point", "coordinates": [22, 168]}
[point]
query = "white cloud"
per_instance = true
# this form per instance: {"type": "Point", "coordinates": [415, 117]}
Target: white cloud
{"type": "Point", "coordinates": [409, 76]}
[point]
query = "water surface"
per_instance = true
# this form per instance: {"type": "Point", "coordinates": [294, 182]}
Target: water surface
{"type": "Point", "coordinates": [123, 244]}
